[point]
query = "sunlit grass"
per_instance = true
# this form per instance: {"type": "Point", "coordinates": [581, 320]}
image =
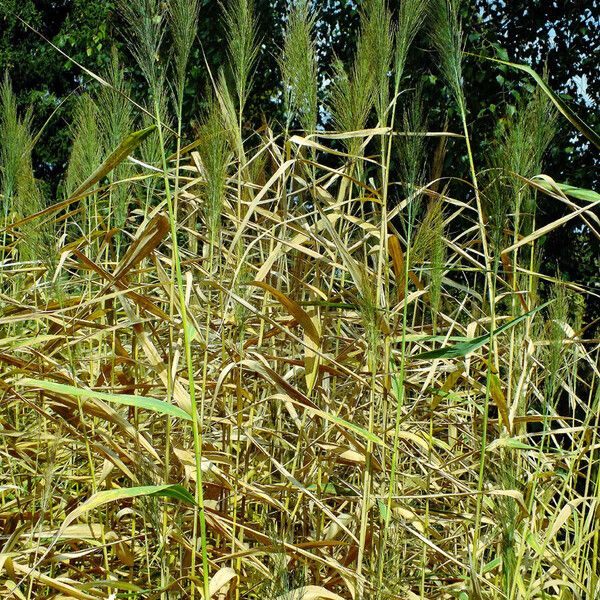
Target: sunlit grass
{"type": "Point", "coordinates": [266, 364]}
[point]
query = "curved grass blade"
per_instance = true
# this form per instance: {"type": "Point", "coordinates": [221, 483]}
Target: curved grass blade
{"type": "Point", "coordinates": [117, 156]}
{"type": "Point", "coordinates": [175, 491]}
{"type": "Point", "coordinates": [152, 404]}
{"type": "Point", "coordinates": [294, 309]}
{"type": "Point", "coordinates": [464, 348]}
{"type": "Point", "coordinates": [576, 121]}
{"type": "Point", "coordinates": [569, 190]}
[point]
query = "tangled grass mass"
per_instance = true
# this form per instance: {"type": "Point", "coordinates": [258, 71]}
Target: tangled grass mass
{"type": "Point", "coordinates": [298, 362]}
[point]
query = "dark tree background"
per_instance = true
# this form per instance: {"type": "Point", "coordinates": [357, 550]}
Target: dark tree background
{"type": "Point", "coordinates": [562, 38]}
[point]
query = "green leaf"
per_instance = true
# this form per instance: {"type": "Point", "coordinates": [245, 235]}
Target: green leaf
{"type": "Point", "coordinates": [576, 121]}
{"type": "Point", "coordinates": [494, 563]}
{"type": "Point", "coordinates": [533, 543]}
{"type": "Point", "coordinates": [513, 443]}
{"type": "Point", "coordinates": [152, 404]}
{"type": "Point", "coordinates": [361, 431]}
{"type": "Point", "coordinates": [465, 348]}
{"type": "Point", "coordinates": [124, 149]}
{"type": "Point", "coordinates": [383, 511]}
{"type": "Point", "coordinates": [569, 190]}
{"type": "Point", "coordinates": [502, 53]}
{"type": "Point", "coordinates": [328, 488]}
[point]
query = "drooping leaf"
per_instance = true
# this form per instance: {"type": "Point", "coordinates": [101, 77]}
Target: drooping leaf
{"type": "Point", "coordinates": [175, 491]}
{"type": "Point", "coordinates": [576, 121]}
{"type": "Point", "coordinates": [570, 190]}
{"type": "Point", "coordinates": [123, 150]}
{"type": "Point", "coordinates": [152, 404]}
{"type": "Point", "coordinates": [294, 309]}
{"type": "Point", "coordinates": [464, 348]}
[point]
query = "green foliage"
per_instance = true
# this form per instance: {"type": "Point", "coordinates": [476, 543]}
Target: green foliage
{"type": "Point", "coordinates": [117, 121]}
{"type": "Point", "coordinates": [299, 67]}
{"type": "Point", "coordinates": [519, 153]}
{"type": "Point", "coordinates": [20, 193]}
{"type": "Point", "coordinates": [446, 36]}
{"type": "Point", "coordinates": [184, 25]}
{"type": "Point", "coordinates": [242, 40]}
{"type": "Point", "coordinates": [382, 40]}
{"type": "Point", "coordinates": [215, 155]}
{"type": "Point", "coordinates": [353, 89]}
{"type": "Point", "coordinates": [86, 150]}
{"type": "Point", "coordinates": [152, 404]}
{"type": "Point", "coordinates": [410, 19]}
{"type": "Point", "coordinates": [144, 21]}
{"type": "Point", "coordinates": [15, 139]}
{"type": "Point", "coordinates": [465, 348]}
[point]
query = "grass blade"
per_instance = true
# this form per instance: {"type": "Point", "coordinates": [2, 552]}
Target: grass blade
{"type": "Point", "coordinates": [123, 150]}
{"type": "Point", "coordinates": [152, 404]}
{"type": "Point", "coordinates": [464, 348]}
{"type": "Point", "coordinates": [575, 120]}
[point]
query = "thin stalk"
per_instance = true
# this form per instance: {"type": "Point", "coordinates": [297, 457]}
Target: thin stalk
{"type": "Point", "coordinates": [486, 403]}
{"type": "Point", "coordinates": [196, 430]}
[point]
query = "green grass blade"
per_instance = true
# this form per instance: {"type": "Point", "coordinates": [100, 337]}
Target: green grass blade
{"type": "Point", "coordinates": [152, 404]}
{"type": "Point", "coordinates": [175, 491]}
{"type": "Point", "coordinates": [576, 121]}
{"type": "Point", "coordinates": [569, 190]}
{"type": "Point", "coordinates": [464, 348]}
{"type": "Point", "coordinates": [123, 150]}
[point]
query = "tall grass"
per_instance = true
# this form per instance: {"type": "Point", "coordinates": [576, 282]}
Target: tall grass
{"type": "Point", "coordinates": [21, 193]}
{"type": "Point", "coordinates": [299, 67]}
{"type": "Point", "coordinates": [116, 120]}
{"type": "Point", "coordinates": [299, 362]}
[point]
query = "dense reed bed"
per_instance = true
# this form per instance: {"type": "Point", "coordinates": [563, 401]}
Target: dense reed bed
{"type": "Point", "coordinates": [297, 362]}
